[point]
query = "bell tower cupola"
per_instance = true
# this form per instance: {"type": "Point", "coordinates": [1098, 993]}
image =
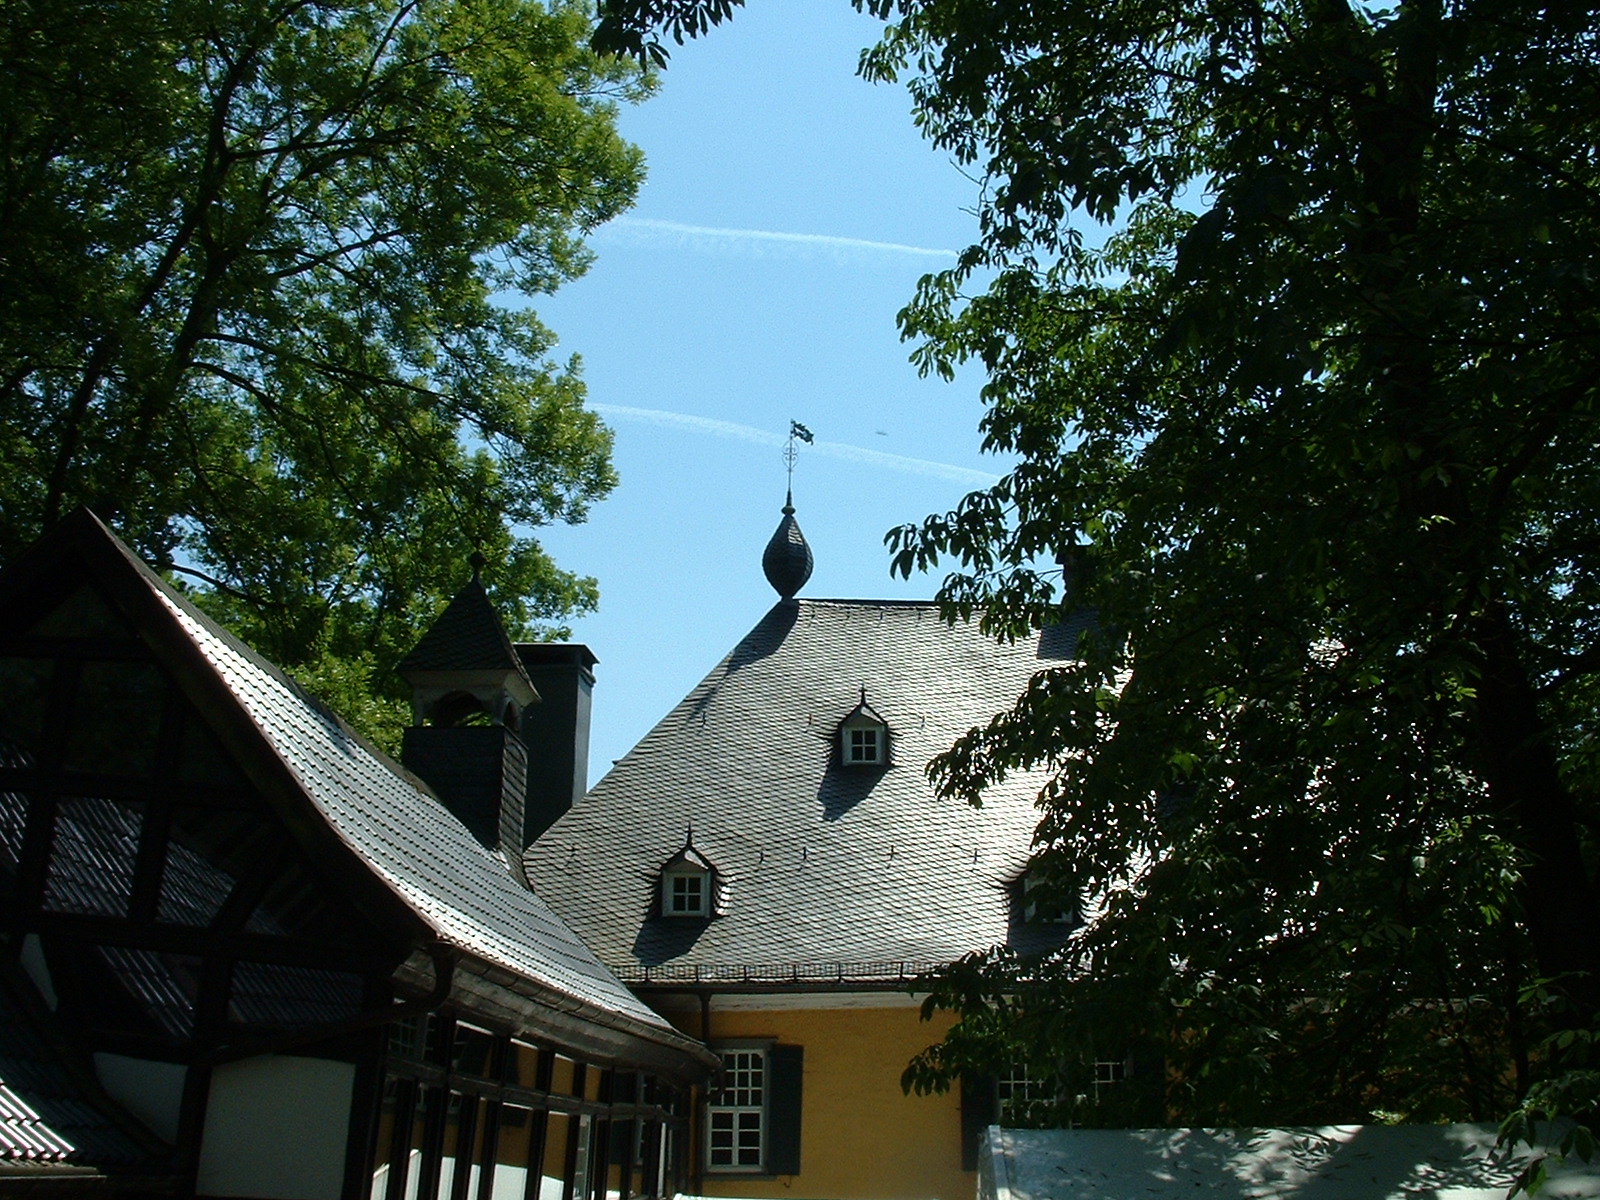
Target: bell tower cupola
{"type": "Point", "coordinates": [468, 693]}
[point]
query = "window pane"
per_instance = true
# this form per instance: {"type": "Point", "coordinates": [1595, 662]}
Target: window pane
{"type": "Point", "coordinates": [721, 1139]}
{"type": "Point", "coordinates": [383, 1141]}
{"type": "Point", "coordinates": [1108, 1073]}
{"type": "Point", "coordinates": [472, 1052]}
{"type": "Point", "coordinates": [555, 1157]}
{"type": "Point", "coordinates": [742, 1077]}
{"type": "Point", "coordinates": [749, 1139]}
{"type": "Point", "coordinates": [116, 715]}
{"type": "Point", "coordinates": [686, 893]}
{"type": "Point", "coordinates": [737, 1112]}
{"type": "Point", "coordinates": [561, 1080]}
{"type": "Point", "coordinates": [475, 1120]}
{"type": "Point", "coordinates": [452, 1145]}
{"type": "Point", "coordinates": [580, 1169]}
{"type": "Point", "coordinates": [523, 1067]}
{"type": "Point", "coordinates": [92, 857]}
{"type": "Point", "coordinates": [426, 1098]}
{"type": "Point", "coordinates": [511, 1154]}
{"type": "Point", "coordinates": [405, 1039]}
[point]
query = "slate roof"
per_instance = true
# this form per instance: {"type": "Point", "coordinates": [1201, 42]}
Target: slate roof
{"type": "Point", "coordinates": [404, 834]}
{"type": "Point", "coordinates": [394, 826]}
{"type": "Point", "coordinates": [467, 636]}
{"type": "Point", "coordinates": [826, 874]}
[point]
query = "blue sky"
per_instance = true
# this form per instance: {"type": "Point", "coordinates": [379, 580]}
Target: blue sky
{"type": "Point", "coordinates": [789, 211]}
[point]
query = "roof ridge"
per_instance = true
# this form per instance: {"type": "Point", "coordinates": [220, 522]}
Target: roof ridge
{"type": "Point", "coordinates": [866, 602]}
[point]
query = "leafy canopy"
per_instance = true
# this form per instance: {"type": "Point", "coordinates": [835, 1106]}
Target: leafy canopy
{"type": "Point", "coordinates": [260, 299]}
{"type": "Point", "coordinates": [1288, 314]}
{"type": "Point", "coordinates": [1317, 415]}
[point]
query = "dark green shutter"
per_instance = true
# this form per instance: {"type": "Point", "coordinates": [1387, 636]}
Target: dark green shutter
{"type": "Point", "coordinates": [980, 1108]}
{"type": "Point", "coordinates": [785, 1068]}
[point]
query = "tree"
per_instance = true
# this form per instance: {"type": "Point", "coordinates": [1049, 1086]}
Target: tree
{"type": "Point", "coordinates": [261, 300]}
{"type": "Point", "coordinates": [1288, 315]}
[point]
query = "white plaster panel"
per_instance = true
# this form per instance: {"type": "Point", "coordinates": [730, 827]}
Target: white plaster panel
{"type": "Point", "coordinates": [276, 1129]}
{"type": "Point", "coordinates": [151, 1091]}
{"type": "Point", "coordinates": [38, 970]}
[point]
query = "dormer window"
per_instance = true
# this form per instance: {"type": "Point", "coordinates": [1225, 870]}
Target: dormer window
{"type": "Point", "coordinates": [687, 893]}
{"type": "Point", "coordinates": [864, 745]}
{"type": "Point", "coordinates": [1042, 903]}
{"type": "Point", "coordinates": [863, 737]}
{"type": "Point", "coordinates": [688, 881]}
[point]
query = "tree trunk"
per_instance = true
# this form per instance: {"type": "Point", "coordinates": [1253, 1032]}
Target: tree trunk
{"type": "Point", "coordinates": [1519, 766]}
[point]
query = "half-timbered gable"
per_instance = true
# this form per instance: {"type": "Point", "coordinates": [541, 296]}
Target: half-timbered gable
{"type": "Point", "coordinates": [272, 948]}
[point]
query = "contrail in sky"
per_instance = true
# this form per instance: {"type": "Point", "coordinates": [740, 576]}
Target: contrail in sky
{"type": "Point", "coordinates": [749, 433]}
{"type": "Point", "coordinates": [757, 242]}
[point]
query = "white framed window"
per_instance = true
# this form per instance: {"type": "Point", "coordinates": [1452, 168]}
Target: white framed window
{"type": "Point", "coordinates": [686, 893]}
{"type": "Point", "coordinates": [863, 737]}
{"type": "Point", "coordinates": [1021, 1095]}
{"type": "Point", "coordinates": [736, 1112]}
{"type": "Point", "coordinates": [1043, 908]}
{"type": "Point", "coordinates": [863, 745]}
{"type": "Point", "coordinates": [688, 883]}
{"type": "Point", "coordinates": [1108, 1072]}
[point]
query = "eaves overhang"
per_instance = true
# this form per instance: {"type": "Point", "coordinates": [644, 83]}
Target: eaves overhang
{"type": "Point", "coordinates": [588, 1031]}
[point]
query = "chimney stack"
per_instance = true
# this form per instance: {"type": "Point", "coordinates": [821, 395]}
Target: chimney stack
{"type": "Point", "coordinates": [556, 730]}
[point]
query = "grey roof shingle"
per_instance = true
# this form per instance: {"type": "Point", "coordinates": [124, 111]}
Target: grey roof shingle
{"type": "Point", "coordinates": [405, 835]}
{"type": "Point", "coordinates": [825, 872]}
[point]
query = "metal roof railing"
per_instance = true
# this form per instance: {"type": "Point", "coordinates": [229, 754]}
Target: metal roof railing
{"type": "Point", "coordinates": [778, 974]}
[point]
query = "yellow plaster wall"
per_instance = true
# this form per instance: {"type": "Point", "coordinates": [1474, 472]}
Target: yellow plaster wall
{"type": "Point", "coordinates": [861, 1137]}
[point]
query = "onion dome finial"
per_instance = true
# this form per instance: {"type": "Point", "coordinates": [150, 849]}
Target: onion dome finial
{"type": "Point", "coordinates": [787, 561]}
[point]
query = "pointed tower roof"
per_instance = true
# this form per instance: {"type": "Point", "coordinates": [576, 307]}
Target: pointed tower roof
{"type": "Point", "coordinates": [787, 560]}
{"type": "Point", "coordinates": [467, 636]}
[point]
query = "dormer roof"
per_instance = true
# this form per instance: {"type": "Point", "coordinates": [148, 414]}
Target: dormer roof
{"type": "Point", "coordinates": [864, 712]}
{"type": "Point", "coordinates": [687, 859]}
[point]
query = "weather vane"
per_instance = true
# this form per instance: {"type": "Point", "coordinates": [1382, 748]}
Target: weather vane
{"type": "Point", "coordinates": [797, 432]}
